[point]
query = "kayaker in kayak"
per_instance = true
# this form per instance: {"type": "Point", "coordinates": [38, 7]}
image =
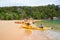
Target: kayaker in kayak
{"type": "Point", "coordinates": [41, 26]}
{"type": "Point", "coordinates": [26, 21]}
{"type": "Point", "coordinates": [29, 22]}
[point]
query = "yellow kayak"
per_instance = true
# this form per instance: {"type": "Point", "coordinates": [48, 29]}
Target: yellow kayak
{"type": "Point", "coordinates": [31, 28]}
{"type": "Point", "coordinates": [35, 28]}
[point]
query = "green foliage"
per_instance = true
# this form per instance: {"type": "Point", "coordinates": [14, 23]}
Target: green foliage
{"type": "Point", "coordinates": [21, 12]}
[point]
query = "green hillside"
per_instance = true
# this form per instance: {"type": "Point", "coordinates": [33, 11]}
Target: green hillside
{"type": "Point", "coordinates": [36, 12]}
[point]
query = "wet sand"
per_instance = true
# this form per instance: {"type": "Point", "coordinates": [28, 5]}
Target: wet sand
{"type": "Point", "coordinates": [11, 31]}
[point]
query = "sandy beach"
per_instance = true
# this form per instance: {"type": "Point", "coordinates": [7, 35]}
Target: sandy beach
{"type": "Point", "coordinates": [11, 31]}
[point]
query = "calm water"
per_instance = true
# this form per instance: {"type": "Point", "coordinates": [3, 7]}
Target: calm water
{"type": "Point", "coordinates": [55, 24]}
{"type": "Point", "coordinates": [11, 31]}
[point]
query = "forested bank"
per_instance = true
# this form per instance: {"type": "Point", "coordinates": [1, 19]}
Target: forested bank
{"type": "Point", "coordinates": [36, 12]}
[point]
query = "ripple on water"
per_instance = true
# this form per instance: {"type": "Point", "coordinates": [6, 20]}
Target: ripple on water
{"type": "Point", "coordinates": [53, 34]}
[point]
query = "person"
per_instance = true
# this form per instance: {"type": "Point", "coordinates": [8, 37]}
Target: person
{"type": "Point", "coordinates": [41, 26]}
{"type": "Point", "coordinates": [26, 21]}
{"type": "Point", "coordinates": [30, 22]}
{"type": "Point", "coordinates": [33, 25]}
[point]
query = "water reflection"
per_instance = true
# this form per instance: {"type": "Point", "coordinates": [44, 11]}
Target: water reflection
{"type": "Point", "coordinates": [27, 32]}
{"type": "Point", "coordinates": [53, 34]}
